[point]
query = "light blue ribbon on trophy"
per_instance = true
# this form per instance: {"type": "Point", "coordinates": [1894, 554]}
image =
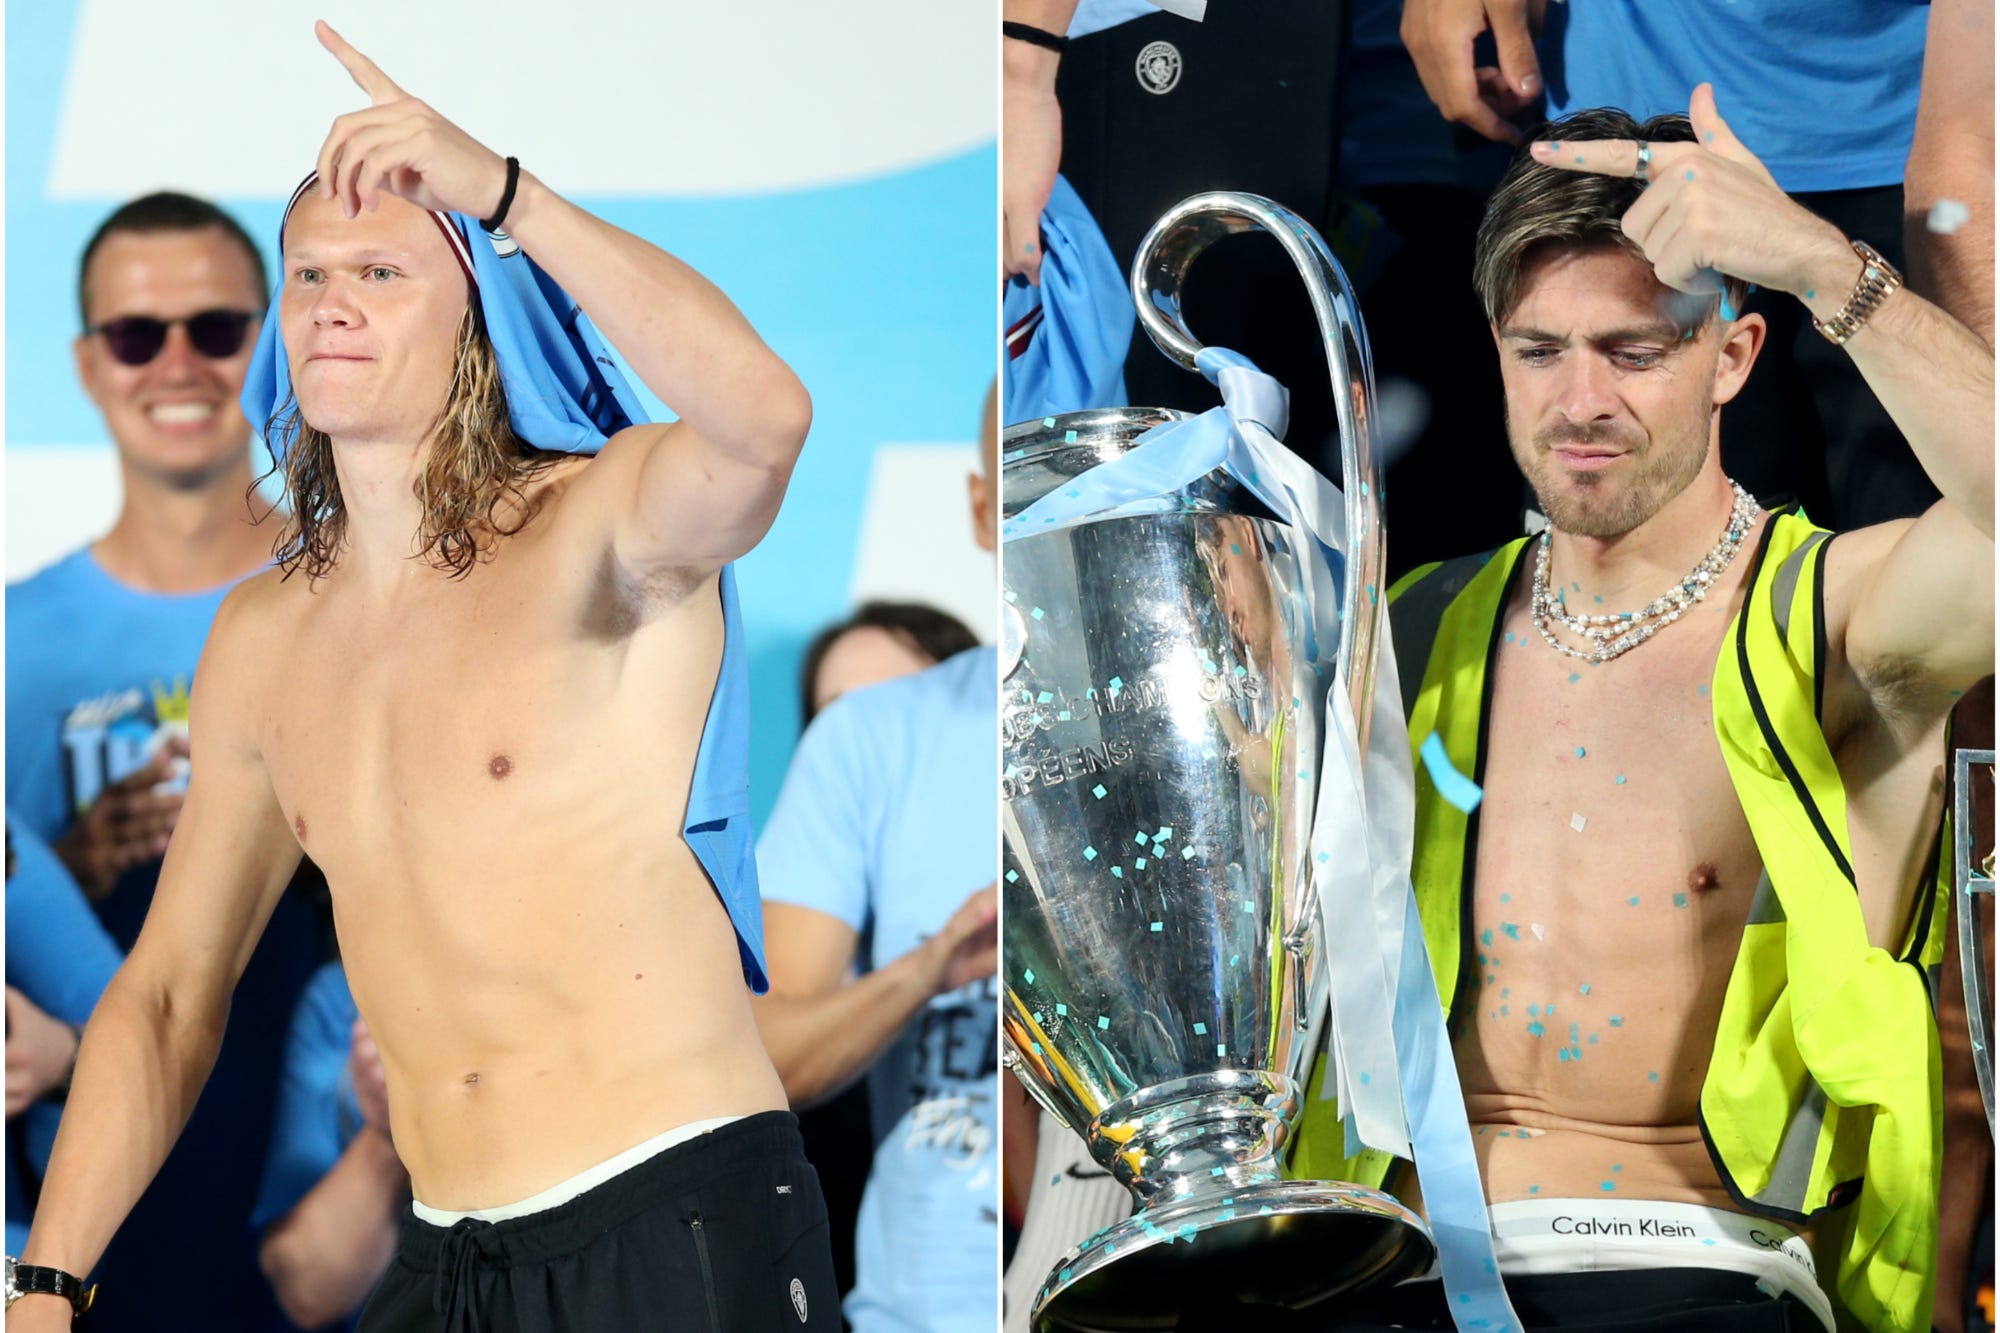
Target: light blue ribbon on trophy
{"type": "Point", "coordinates": [1390, 1056]}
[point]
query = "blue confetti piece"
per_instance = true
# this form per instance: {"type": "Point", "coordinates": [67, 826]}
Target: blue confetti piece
{"type": "Point", "coordinates": [1048, 421]}
{"type": "Point", "coordinates": [1621, 779]}
{"type": "Point", "coordinates": [1103, 1023]}
{"type": "Point", "coordinates": [1633, 901]}
{"type": "Point", "coordinates": [1562, 1056]}
{"type": "Point", "coordinates": [1187, 853]}
{"type": "Point", "coordinates": [1013, 876]}
{"type": "Point", "coordinates": [1062, 1011]}
{"type": "Point", "coordinates": [1117, 872]}
{"type": "Point", "coordinates": [1512, 931]}
{"type": "Point", "coordinates": [1616, 1168]}
{"type": "Point", "coordinates": [1221, 1050]}
{"type": "Point", "coordinates": [1069, 437]}
{"type": "Point", "coordinates": [1534, 1010]}
{"type": "Point", "coordinates": [1117, 682]}
{"type": "Point", "coordinates": [1139, 863]}
{"type": "Point", "coordinates": [1458, 790]}
{"type": "Point", "coordinates": [1037, 613]}
{"type": "Point", "coordinates": [1593, 1039]}
{"type": "Point", "coordinates": [1579, 752]}
{"type": "Point", "coordinates": [1234, 549]}
{"type": "Point", "coordinates": [1044, 697]}
{"type": "Point", "coordinates": [1029, 976]}
{"type": "Point", "coordinates": [1139, 838]}
{"type": "Point", "coordinates": [1098, 791]}
{"type": "Point", "coordinates": [1506, 897]}
{"type": "Point", "coordinates": [1617, 1020]}
{"type": "Point", "coordinates": [1653, 1077]}
{"type": "Point", "coordinates": [1701, 689]}
{"type": "Point", "coordinates": [1157, 927]}
{"type": "Point", "coordinates": [1690, 175]}
{"type": "Point", "coordinates": [1680, 900]}
{"type": "Point", "coordinates": [1166, 832]}
{"type": "Point", "coordinates": [1608, 1186]}
{"type": "Point", "coordinates": [1584, 989]}
{"type": "Point", "coordinates": [1575, 676]}
{"type": "Point", "coordinates": [1090, 853]}
{"type": "Point", "coordinates": [1364, 1080]}
{"type": "Point", "coordinates": [1535, 1029]}
{"type": "Point", "coordinates": [1534, 1189]}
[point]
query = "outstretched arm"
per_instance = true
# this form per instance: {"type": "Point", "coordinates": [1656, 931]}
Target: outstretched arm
{"type": "Point", "coordinates": [155, 1032]}
{"type": "Point", "coordinates": [1920, 592]}
{"type": "Point", "coordinates": [710, 486]}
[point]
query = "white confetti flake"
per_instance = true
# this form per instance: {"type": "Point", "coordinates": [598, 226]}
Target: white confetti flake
{"type": "Point", "coordinates": [1540, 931]}
{"type": "Point", "coordinates": [1576, 822]}
{"type": "Point", "coordinates": [1947, 216]}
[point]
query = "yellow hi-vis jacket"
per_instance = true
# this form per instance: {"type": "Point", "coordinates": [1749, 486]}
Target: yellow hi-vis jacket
{"type": "Point", "coordinates": [1822, 1100]}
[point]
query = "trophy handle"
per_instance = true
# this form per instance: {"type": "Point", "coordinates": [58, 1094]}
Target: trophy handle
{"type": "Point", "coordinates": [1158, 271]}
{"type": "Point", "coordinates": [1969, 879]}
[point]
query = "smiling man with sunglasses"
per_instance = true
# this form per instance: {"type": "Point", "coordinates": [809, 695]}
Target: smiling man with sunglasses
{"type": "Point", "coordinates": [101, 653]}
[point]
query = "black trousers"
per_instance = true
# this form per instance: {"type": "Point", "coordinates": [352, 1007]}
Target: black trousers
{"type": "Point", "coordinates": [725, 1233]}
{"type": "Point", "coordinates": [1664, 1300]}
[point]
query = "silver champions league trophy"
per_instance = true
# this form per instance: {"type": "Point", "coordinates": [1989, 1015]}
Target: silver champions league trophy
{"type": "Point", "coordinates": [1973, 875]}
{"type": "Point", "coordinates": [1162, 704]}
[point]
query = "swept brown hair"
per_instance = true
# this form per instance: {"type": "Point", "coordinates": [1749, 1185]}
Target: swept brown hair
{"type": "Point", "coordinates": [474, 465]}
{"type": "Point", "coordinates": [1535, 207]}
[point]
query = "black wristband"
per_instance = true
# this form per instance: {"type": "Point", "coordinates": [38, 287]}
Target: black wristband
{"type": "Point", "coordinates": [506, 196]}
{"type": "Point", "coordinates": [1027, 32]}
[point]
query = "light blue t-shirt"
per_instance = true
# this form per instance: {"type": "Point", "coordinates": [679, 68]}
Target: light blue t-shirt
{"type": "Point", "coordinates": [886, 822]}
{"type": "Point", "coordinates": [98, 676]}
{"type": "Point", "coordinates": [318, 1114]}
{"type": "Point", "coordinates": [61, 959]}
{"type": "Point", "coordinates": [1824, 92]}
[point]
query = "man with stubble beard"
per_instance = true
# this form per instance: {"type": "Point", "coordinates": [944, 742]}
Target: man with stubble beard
{"type": "Point", "coordinates": [1684, 940]}
{"type": "Point", "coordinates": [482, 710]}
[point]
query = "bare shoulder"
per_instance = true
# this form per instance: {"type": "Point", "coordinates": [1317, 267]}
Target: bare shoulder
{"type": "Point", "coordinates": [1908, 620]}
{"type": "Point", "coordinates": [613, 471]}
{"type": "Point", "coordinates": [255, 620]}
{"type": "Point", "coordinates": [1854, 560]}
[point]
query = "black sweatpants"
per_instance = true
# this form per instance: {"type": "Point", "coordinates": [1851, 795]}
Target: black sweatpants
{"type": "Point", "coordinates": [725, 1232]}
{"type": "Point", "coordinates": [1660, 1300]}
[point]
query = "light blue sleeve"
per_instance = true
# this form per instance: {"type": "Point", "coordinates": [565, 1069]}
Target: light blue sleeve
{"type": "Point", "coordinates": [317, 1113]}
{"type": "Point", "coordinates": [58, 955]}
{"type": "Point", "coordinates": [817, 848]}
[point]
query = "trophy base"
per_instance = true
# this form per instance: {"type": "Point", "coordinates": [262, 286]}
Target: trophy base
{"type": "Point", "coordinates": [1287, 1243]}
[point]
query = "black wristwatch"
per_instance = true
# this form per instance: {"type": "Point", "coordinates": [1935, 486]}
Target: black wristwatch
{"type": "Point", "coordinates": [33, 1280]}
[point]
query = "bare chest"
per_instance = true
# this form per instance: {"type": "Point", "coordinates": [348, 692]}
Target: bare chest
{"type": "Point", "coordinates": [1614, 871]}
{"type": "Point", "coordinates": [459, 711]}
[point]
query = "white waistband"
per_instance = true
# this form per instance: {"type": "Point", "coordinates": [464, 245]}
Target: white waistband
{"type": "Point", "coordinates": [587, 1179]}
{"type": "Point", "coordinates": [1533, 1236]}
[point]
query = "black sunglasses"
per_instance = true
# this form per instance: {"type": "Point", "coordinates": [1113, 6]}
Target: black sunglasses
{"type": "Point", "coordinates": [136, 339]}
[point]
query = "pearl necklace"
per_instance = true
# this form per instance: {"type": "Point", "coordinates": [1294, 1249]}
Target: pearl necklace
{"type": "Point", "coordinates": [1617, 634]}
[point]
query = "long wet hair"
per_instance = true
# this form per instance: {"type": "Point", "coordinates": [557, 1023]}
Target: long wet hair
{"type": "Point", "coordinates": [474, 467]}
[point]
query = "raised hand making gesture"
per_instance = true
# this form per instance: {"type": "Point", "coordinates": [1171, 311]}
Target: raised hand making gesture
{"type": "Point", "coordinates": [400, 145]}
{"type": "Point", "coordinates": [1710, 207]}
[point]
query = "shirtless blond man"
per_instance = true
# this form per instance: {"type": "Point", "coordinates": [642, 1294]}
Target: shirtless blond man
{"type": "Point", "coordinates": [1657, 1087]}
{"type": "Point", "coordinates": [487, 746]}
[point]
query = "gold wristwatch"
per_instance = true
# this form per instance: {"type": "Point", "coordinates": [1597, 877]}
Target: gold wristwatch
{"type": "Point", "coordinates": [1878, 278]}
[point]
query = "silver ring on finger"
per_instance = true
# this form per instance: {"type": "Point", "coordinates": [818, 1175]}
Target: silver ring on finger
{"type": "Point", "coordinates": [1645, 161]}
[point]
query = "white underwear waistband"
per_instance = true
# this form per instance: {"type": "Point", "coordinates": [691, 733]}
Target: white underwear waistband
{"type": "Point", "coordinates": [587, 1179]}
{"type": "Point", "coordinates": [1535, 1236]}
